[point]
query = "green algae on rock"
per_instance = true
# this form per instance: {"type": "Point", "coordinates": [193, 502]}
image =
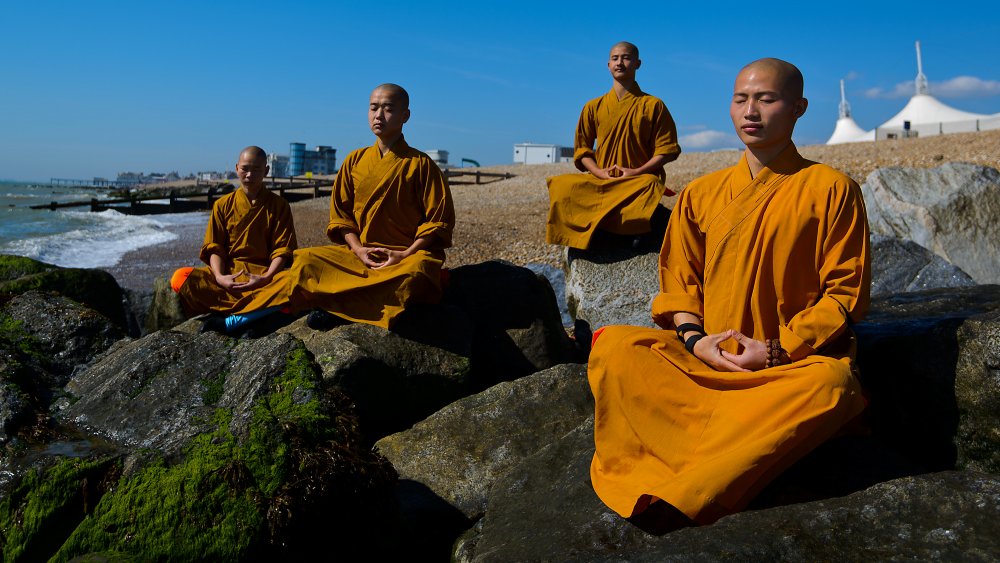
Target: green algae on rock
{"type": "Point", "coordinates": [297, 477]}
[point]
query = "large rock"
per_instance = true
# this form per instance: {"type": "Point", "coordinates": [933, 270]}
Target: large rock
{"type": "Point", "coordinates": [448, 462]}
{"type": "Point", "coordinates": [462, 449]}
{"type": "Point", "coordinates": [950, 210]}
{"type": "Point", "coordinates": [162, 308]}
{"type": "Point", "coordinates": [394, 381]}
{"type": "Point", "coordinates": [901, 266]}
{"type": "Point", "coordinates": [929, 363]}
{"type": "Point", "coordinates": [612, 285]}
{"type": "Point", "coordinates": [199, 447]}
{"type": "Point", "coordinates": [517, 326]}
{"type": "Point", "coordinates": [96, 289]}
{"type": "Point", "coordinates": [545, 509]}
{"type": "Point", "coordinates": [67, 334]}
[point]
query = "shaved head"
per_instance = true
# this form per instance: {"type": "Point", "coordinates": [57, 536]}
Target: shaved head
{"type": "Point", "coordinates": [253, 153]}
{"type": "Point", "coordinates": [632, 48]}
{"type": "Point", "coordinates": [788, 75]}
{"type": "Point", "coordinates": [397, 92]}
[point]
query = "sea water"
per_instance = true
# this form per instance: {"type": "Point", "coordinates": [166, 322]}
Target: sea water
{"type": "Point", "coordinates": [76, 237]}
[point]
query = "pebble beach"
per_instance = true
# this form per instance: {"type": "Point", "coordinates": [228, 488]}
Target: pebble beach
{"type": "Point", "coordinates": [506, 219]}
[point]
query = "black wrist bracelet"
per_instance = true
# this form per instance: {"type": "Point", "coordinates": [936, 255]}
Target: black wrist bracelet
{"type": "Point", "coordinates": [690, 342]}
{"type": "Point", "coordinates": [689, 327]}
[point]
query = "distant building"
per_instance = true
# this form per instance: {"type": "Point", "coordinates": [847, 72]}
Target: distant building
{"type": "Point", "coordinates": [321, 160]}
{"type": "Point", "coordinates": [130, 178]}
{"type": "Point", "coordinates": [534, 153]}
{"type": "Point", "coordinates": [278, 163]}
{"type": "Point", "coordinates": [440, 157]}
{"type": "Point", "coordinates": [211, 176]}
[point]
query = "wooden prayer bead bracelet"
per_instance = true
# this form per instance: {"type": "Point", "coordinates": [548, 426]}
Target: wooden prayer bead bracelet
{"type": "Point", "coordinates": [776, 355]}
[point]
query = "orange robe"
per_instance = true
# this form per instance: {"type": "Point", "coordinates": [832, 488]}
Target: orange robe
{"type": "Point", "coordinates": [389, 201]}
{"type": "Point", "coordinates": [628, 132]}
{"type": "Point", "coordinates": [247, 237]}
{"type": "Point", "coordinates": [783, 255]}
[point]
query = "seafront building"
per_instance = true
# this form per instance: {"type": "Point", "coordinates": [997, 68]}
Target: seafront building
{"type": "Point", "coordinates": [536, 153]}
{"type": "Point", "coordinates": [923, 116]}
{"type": "Point", "coordinates": [300, 161]}
{"type": "Point", "coordinates": [439, 156]}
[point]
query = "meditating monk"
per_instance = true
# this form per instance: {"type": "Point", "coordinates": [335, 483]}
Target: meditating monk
{"type": "Point", "coordinates": [248, 243]}
{"type": "Point", "coordinates": [623, 180]}
{"type": "Point", "coordinates": [391, 217]}
{"type": "Point", "coordinates": [764, 267]}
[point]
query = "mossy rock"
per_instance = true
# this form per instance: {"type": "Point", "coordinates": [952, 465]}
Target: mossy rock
{"type": "Point", "coordinates": [297, 484]}
{"type": "Point", "coordinates": [96, 289]}
{"type": "Point", "coordinates": [13, 267]}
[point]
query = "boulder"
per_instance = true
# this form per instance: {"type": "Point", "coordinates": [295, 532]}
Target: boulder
{"type": "Point", "coordinates": [196, 447]}
{"type": "Point", "coordinates": [517, 326]}
{"type": "Point", "coordinates": [545, 509]}
{"type": "Point", "coordinates": [448, 462]}
{"type": "Point", "coordinates": [66, 334]}
{"type": "Point", "coordinates": [950, 210]}
{"type": "Point", "coordinates": [928, 361]}
{"type": "Point", "coordinates": [393, 381]}
{"type": "Point", "coordinates": [162, 309]}
{"type": "Point", "coordinates": [96, 289]}
{"type": "Point", "coordinates": [901, 266]}
{"type": "Point", "coordinates": [612, 285]}
{"type": "Point", "coordinates": [459, 451]}
{"type": "Point", "coordinates": [15, 409]}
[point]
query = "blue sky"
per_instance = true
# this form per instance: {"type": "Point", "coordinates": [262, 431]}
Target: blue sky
{"type": "Point", "coordinates": [94, 88]}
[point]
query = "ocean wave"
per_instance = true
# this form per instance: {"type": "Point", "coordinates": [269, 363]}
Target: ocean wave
{"type": "Point", "coordinates": [98, 240]}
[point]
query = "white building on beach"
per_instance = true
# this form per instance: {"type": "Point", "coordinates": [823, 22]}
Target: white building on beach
{"type": "Point", "coordinates": [535, 153]}
{"type": "Point", "coordinates": [924, 116]}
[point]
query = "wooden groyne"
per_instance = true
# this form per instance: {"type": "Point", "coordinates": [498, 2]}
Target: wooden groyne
{"type": "Point", "coordinates": [149, 202]}
{"type": "Point", "coordinates": [477, 177]}
{"type": "Point", "coordinates": [200, 198]}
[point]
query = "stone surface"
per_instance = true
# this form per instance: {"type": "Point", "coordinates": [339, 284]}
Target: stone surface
{"type": "Point", "coordinates": [393, 381]}
{"type": "Point", "coordinates": [927, 364]}
{"type": "Point", "coordinates": [163, 309]}
{"type": "Point", "coordinates": [14, 408]}
{"type": "Point", "coordinates": [68, 335]}
{"type": "Point", "coordinates": [900, 266]}
{"type": "Point", "coordinates": [94, 288]}
{"type": "Point", "coordinates": [160, 391]}
{"type": "Point", "coordinates": [950, 210]}
{"type": "Point", "coordinates": [612, 285]}
{"type": "Point", "coordinates": [977, 393]}
{"type": "Point", "coordinates": [199, 447]}
{"type": "Point", "coordinates": [459, 451]}
{"type": "Point", "coordinates": [517, 326]}
{"type": "Point", "coordinates": [545, 509]}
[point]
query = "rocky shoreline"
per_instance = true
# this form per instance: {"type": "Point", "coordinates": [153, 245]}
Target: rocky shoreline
{"type": "Point", "coordinates": [125, 434]}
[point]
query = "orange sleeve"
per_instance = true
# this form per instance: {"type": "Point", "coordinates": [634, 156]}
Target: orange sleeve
{"type": "Point", "coordinates": [845, 275]}
{"type": "Point", "coordinates": [682, 265]}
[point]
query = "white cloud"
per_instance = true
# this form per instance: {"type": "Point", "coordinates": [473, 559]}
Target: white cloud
{"type": "Point", "coordinates": [710, 140]}
{"type": "Point", "coordinates": [958, 87]}
{"type": "Point", "coordinates": [966, 87]}
{"type": "Point", "coordinates": [853, 75]}
{"type": "Point", "coordinates": [901, 90]}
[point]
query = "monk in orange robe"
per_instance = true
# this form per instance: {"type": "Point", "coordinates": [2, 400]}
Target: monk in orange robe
{"type": "Point", "coordinates": [391, 217]}
{"type": "Point", "coordinates": [248, 243]}
{"type": "Point", "coordinates": [623, 180]}
{"type": "Point", "coordinates": [764, 267]}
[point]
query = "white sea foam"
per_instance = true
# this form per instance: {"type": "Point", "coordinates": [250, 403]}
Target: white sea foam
{"type": "Point", "coordinates": [98, 240]}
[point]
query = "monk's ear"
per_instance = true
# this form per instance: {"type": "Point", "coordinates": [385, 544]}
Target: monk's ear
{"type": "Point", "coordinates": [638, 63]}
{"type": "Point", "coordinates": [800, 107]}
{"type": "Point", "coordinates": [406, 115]}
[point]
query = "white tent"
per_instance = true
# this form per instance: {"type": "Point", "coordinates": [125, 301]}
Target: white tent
{"type": "Point", "coordinates": [929, 116]}
{"type": "Point", "coordinates": [847, 131]}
